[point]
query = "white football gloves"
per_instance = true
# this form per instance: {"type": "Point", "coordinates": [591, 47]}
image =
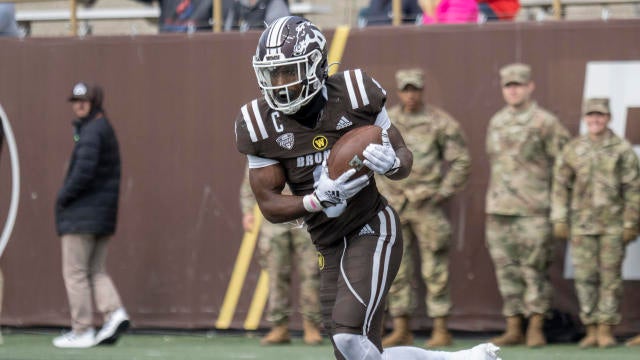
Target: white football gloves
{"type": "Point", "coordinates": [381, 159]}
{"type": "Point", "coordinates": [333, 192]}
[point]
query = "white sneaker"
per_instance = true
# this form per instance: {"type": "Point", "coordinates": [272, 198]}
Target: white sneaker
{"type": "Point", "coordinates": [74, 340]}
{"type": "Point", "coordinates": [118, 323]}
{"type": "Point", "coordinates": [486, 351]}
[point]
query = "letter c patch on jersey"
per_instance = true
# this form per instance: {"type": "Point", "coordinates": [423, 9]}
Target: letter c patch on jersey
{"type": "Point", "coordinates": [320, 142]}
{"type": "Point", "coordinates": [320, 261]}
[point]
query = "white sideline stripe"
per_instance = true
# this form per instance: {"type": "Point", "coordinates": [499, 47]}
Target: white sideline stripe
{"type": "Point", "coordinates": [256, 113]}
{"type": "Point", "coordinates": [247, 120]}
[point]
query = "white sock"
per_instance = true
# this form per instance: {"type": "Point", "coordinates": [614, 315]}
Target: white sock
{"type": "Point", "coordinates": [356, 347]}
{"type": "Point", "coordinates": [414, 353]}
{"type": "Point", "coordinates": [486, 351]}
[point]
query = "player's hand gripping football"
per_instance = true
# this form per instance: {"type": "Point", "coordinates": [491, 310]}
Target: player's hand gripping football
{"type": "Point", "coordinates": [381, 159]}
{"type": "Point", "coordinates": [333, 192]}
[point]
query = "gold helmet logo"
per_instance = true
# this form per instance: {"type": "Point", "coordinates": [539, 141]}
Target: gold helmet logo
{"type": "Point", "coordinates": [320, 261]}
{"type": "Point", "coordinates": [320, 142]}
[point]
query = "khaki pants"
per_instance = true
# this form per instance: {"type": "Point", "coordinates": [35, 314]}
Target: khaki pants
{"type": "Point", "coordinates": [85, 277]}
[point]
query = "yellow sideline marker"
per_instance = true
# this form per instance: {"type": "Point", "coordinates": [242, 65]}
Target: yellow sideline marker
{"type": "Point", "coordinates": [337, 48]}
{"type": "Point", "coordinates": [239, 272]}
{"type": "Point", "coordinates": [259, 301]}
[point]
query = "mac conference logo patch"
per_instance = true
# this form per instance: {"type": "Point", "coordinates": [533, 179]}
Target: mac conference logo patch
{"type": "Point", "coordinates": [320, 142]}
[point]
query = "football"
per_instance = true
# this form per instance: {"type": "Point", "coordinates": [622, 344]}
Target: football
{"type": "Point", "coordinates": [346, 153]}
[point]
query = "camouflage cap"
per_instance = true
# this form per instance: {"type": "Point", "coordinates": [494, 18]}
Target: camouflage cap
{"type": "Point", "coordinates": [413, 77]}
{"type": "Point", "coordinates": [515, 73]}
{"type": "Point", "coordinates": [599, 105]}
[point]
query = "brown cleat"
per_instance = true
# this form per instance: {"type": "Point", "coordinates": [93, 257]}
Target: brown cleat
{"type": "Point", "coordinates": [535, 334]}
{"type": "Point", "coordinates": [591, 338]}
{"type": "Point", "coordinates": [440, 336]}
{"type": "Point", "coordinates": [605, 336]}
{"type": "Point", "coordinates": [401, 334]}
{"type": "Point", "coordinates": [635, 341]}
{"type": "Point", "coordinates": [311, 333]}
{"type": "Point", "coordinates": [513, 335]}
{"type": "Point", "coordinates": [279, 334]}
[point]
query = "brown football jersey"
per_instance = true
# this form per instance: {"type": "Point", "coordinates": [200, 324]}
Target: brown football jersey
{"type": "Point", "coordinates": [353, 99]}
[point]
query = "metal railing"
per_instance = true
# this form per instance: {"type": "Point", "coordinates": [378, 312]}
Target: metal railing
{"type": "Point", "coordinates": [76, 13]}
{"type": "Point", "coordinates": [548, 9]}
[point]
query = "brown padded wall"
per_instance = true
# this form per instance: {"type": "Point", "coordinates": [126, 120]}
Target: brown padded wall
{"type": "Point", "coordinates": [172, 100]}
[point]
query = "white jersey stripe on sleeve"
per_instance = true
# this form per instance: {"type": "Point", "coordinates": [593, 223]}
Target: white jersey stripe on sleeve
{"type": "Point", "coordinates": [256, 162]}
{"type": "Point", "coordinates": [247, 120]}
{"type": "Point", "coordinates": [363, 91]}
{"type": "Point", "coordinates": [256, 113]}
{"type": "Point", "coordinates": [350, 89]}
{"type": "Point", "coordinates": [383, 119]}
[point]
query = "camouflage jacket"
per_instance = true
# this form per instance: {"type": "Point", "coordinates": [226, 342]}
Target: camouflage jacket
{"type": "Point", "coordinates": [596, 186]}
{"type": "Point", "coordinates": [522, 147]}
{"type": "Point", "coordinates": [247, 199]}
{"type": "Point", "coordinates": [434, 137]}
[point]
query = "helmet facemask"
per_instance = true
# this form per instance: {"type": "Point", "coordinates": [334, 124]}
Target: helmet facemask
{"type": "Point", "coordinates": [289, 83]}
{"type": "Point", "coordinates": [290, 63]}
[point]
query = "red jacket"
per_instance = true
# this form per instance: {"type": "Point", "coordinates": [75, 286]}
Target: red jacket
{"type": "Point", "coordinates": [504, 9]}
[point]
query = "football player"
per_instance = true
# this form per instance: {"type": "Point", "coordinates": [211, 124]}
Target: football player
{"type": "Point", "coordinates": [287, 135]}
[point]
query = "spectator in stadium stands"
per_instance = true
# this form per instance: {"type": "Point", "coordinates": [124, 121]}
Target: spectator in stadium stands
{"type": "Point", "coordinates": [449, 11]}
{"type": "Point", "coordinates": [280, 246]}
{"type": "Point", "coordinates": [287, 134]}
{"type": "Point", "coordinates": [435, 139]}
{"type": "Point", "coordinates": [379, 12]}
{"type": "Point", "coordinates": [499, 9]}
{"type": "Point", "coordinates": [523, 139]}
{"type": "Point", "coordinates": [596, 205]}
{"type": "Point", "coordinates": [8, 25]}
{"type": "Point", "coordinates": [86, 212]}
{"type": "Point", "coordinates": [254, 14]}
{"type": "Point", "coordinates": [195, 15]}
{"type": "Point", "coordinates": [187, 15]}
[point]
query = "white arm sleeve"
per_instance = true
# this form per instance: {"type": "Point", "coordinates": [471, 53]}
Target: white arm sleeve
{"type": "Point", "coordinates": [256, 162]}
{"type": "Point", "coordinates": [383, 120]}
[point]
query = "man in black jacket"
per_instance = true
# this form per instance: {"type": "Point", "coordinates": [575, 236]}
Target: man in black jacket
{"type": "Point", "coordinates": [86, 211]}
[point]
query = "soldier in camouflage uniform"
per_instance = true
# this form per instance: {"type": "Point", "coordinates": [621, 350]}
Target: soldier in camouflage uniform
{"type": "Point", "coordinates": [635, 341]}
{"type": "Point", "coordinates": [596, 201]}
{"type": "Point", "coordinates": [435, 138]}
{"type": "Point", "coordinates": [279, 245]}
{"type": "Point", "coordinates": [523, 140]}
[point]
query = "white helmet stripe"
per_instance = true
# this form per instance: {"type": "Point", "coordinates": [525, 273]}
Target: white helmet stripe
{"type": "Point", "coordinates": [273, 39]}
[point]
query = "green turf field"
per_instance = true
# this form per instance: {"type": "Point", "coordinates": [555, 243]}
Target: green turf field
{"type": "Point", "coordinates": [20, 345]}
